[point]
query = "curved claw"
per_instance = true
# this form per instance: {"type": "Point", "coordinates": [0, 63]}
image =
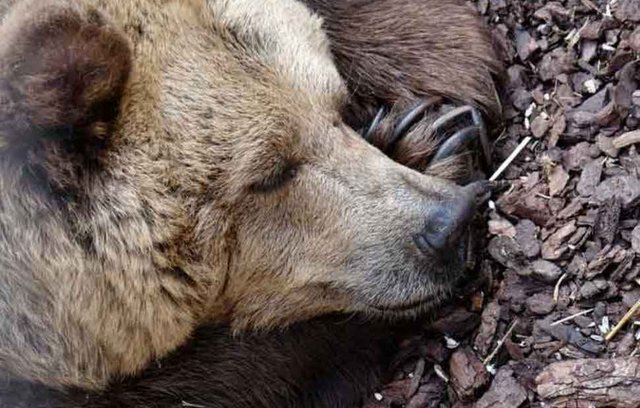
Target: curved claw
{"type": "Point", "coordinates": [479, 126]}
{"type": "Point", "coordinates": [409, 119]}
{"type": "Point", "coordinates": [374, 124]}
{"type": "Point", "coordinates": [455, 142]}
{"type": "Point", "coordinates": [484, 138]}
{"type": "Point", "coordinates": [453, 114]}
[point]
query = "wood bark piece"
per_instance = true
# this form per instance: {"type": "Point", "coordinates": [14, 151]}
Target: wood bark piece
{"type": "Point", "coordinates": [468, 375]}
{"type": "Point", "coordinates": [591, 382]}
{"type": "Point", "coordinates": [627, 139]}
{"type": "Point", "coordinates": [505, 392]}
{"type": "Point", "coordinates": [488, 326]}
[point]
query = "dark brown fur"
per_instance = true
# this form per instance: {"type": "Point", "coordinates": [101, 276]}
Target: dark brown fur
{"type": "Point", "coordinates": [395, 51]}
{"type": "Point", "coordinates": [331, 362]}
{"type": "Point", "coordinates": [64, 77]}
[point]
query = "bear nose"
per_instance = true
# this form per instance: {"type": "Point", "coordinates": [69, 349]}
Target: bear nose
{"type": "Point", "coordinates": [449, 219]}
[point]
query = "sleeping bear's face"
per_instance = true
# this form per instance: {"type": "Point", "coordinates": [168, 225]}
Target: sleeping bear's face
{"type": "Point", "coordinates": [166, 165]}
{"type": "Point", "coordinates": [315, 219]}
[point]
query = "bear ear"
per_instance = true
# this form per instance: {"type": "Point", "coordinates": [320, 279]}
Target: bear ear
{"type": "Point", "coordinates": [62, 72]}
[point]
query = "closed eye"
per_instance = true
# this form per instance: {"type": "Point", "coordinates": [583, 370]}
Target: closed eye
{"type": "Point", "coordinates": [276, 180]}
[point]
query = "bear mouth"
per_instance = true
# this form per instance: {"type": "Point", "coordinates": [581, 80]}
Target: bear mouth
{"type": "Point", "coordinates": [414, 308]}
{"type": "Point", "coordinates": [405, 307]}
{"type": "Point", "coordinates": [405, 311]}
{"type": "Point", "coordinates": [444, 280]}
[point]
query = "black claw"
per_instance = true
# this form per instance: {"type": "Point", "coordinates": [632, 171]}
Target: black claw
{"type": "Point", "coordinates": [449, 145]}
{"type": "Point", "coordinates": [484, 138]}
{"type": "Point", "coordinates": [453, 144]}
{"type": "Point", "coordinates": [443, 121]}
{"type": "Point", "coordinates": [439, 124]}
{"type": "Point", "coordinates": [374, 124]}
{"type": "Point", "coordinates": [409, 119]}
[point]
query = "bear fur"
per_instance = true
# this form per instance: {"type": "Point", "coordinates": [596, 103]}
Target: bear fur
{"type": "Point", "coordinates": [176, 170]}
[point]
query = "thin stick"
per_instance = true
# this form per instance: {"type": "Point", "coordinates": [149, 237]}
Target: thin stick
{"type": "Point", "coordinates": [623, 321]}
{"type": "Point", "coordinates": [511, 158]}
{"type": "Point", "coordinates": [556, 289]}
{"type": "Point", "coordinates": [592, 6]}
{"type": "Point", "coordinates": [190, 405]}
{"type": "Point", "coordinates": [440, 373]}
{"type": "Point", "coordinates": [626, 139]}
{"type": "Point", "coordinates": [500, 343]}
{"type": "Point", "coordinates": [573, 316]}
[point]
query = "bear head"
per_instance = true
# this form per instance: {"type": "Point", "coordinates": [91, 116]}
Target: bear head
{"type": "Point", "coordinates": [165, 164]}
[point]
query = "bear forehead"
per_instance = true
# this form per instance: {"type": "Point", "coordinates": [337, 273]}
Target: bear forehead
{"type": "Point", "coordinates": [276, 42]}
{"type": "Point", "coordinates": [286, 36]}
{"type": "Point", "coordinates": [223, 66]}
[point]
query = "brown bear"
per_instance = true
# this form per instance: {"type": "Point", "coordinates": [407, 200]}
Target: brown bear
{"type": "Point", "coordinates": [183, 194]}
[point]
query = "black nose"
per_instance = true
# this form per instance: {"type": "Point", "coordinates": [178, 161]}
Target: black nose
{"type": "Point", "coordinates": [448, 220]}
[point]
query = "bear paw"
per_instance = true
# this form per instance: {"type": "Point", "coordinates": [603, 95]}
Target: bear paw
{"type": "Point", "coordinates": [432, 137]}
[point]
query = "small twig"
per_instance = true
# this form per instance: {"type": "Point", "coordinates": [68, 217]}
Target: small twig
{"type": "Point", "coordinates": [500, 343]}
{"type": "Point", "coordinates": [623, 321]}
{"type": "Point", "coordinates": [416, 377]}
{"type": "Point", "coordinates": [626, 139]}
{"type": "Point", "coordinates": [573, 316]}
{"type": "Point", "coordinates": [556, 289]}
{"type": "Point", "coordinates": [190, 405]}
{"type": "Point", "coordinates": [440, 373]}
{"type": "Point", "coordinates": [591, 5]}
{"type": "Point", "coordinates": [574, 36]}
{"type": "Point", "coordinates": [511, 158]}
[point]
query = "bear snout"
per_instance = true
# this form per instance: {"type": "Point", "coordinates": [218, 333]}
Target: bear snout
{"type": "Point", "coordinates": [448, 221]}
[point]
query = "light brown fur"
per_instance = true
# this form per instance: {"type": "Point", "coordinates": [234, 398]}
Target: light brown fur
{"type": "Point", "coordinates": [123, 230]}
